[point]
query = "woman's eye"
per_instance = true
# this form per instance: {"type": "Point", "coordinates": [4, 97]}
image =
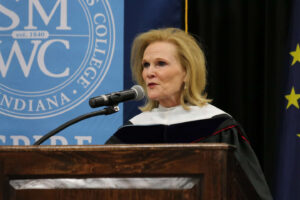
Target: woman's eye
{"type": "Point", "coordinates": [161, 63]}
{"type": "Point", "coordinates": [145, 64]}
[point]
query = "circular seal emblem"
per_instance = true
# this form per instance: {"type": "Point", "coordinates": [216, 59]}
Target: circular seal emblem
{"type": "Point", "coordinates": [53, 54]}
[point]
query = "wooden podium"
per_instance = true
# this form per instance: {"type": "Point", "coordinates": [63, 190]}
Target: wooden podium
{"type": "Point", "coordinates": [212, 167]}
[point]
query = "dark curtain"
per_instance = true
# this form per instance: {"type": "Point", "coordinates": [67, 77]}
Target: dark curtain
{"type": "Point", "coordinates": [245, 46]}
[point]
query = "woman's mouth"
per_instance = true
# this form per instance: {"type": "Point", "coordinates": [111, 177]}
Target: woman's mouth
{"type": "Point", "coordinates": [151, 85]}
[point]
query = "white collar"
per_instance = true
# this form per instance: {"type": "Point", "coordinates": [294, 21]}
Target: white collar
{"type": "Point", "coordinates": [177, 114]}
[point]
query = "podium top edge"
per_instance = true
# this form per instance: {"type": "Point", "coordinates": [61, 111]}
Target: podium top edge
{"type": "Point", "coordinates": [118, 147]}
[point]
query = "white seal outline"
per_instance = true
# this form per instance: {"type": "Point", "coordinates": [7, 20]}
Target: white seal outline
{"type": "Point", "coordinates": [93, 86]}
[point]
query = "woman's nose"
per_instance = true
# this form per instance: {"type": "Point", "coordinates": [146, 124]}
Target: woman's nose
{"type": "Point", "coordinates": [150, 72]}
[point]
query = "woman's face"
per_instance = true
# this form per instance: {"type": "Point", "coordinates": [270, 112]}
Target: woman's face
{"type": "Point", "coordinates": [163, 74]}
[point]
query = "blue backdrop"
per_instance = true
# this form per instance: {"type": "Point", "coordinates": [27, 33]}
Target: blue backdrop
{"type": "Point", "coordinates": [55, 55]}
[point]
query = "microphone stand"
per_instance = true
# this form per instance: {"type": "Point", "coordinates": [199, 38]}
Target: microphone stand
{"type": "Point", "coordinates": [106, 111]}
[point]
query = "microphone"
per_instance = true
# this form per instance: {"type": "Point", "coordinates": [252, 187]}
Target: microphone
{"type": "Point", "coordinates": [135, 93]}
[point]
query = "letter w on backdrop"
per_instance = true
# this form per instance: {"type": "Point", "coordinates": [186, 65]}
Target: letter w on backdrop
{"type": "Point", "coordinates": [54, 56]}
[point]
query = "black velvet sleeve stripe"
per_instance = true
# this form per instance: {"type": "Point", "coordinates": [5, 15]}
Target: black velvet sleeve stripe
{"type": "Point", "coordinates": [185, 132]}
{"type": "Point", "coordinates": [215, 133]}
{"type": "Point", "coordinates": [114, 139]}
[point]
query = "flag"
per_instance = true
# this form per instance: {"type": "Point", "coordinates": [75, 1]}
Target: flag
{"type": "Point", "coordinates": [288, 172]}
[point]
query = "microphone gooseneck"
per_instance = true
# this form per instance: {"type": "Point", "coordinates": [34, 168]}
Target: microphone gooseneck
{"type": "Point", "coordinates": [110, 100]}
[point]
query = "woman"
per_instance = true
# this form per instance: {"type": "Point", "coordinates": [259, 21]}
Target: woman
{"type": "Point", "coordinates": [170, 66]}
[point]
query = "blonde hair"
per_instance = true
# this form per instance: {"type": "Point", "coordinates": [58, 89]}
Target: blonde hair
{"type": "Point", "coordinates": [191, 57]}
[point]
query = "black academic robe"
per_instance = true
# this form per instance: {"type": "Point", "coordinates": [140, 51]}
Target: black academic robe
{"type": "Point", "coordinates": [206, 125]}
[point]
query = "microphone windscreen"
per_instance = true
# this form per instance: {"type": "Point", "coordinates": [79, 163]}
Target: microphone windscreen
{"type": "Point", "coordinates": [140, 94]}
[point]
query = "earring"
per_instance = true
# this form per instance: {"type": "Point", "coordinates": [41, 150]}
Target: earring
{"type": "Point", "coordinates": [185, 87]}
